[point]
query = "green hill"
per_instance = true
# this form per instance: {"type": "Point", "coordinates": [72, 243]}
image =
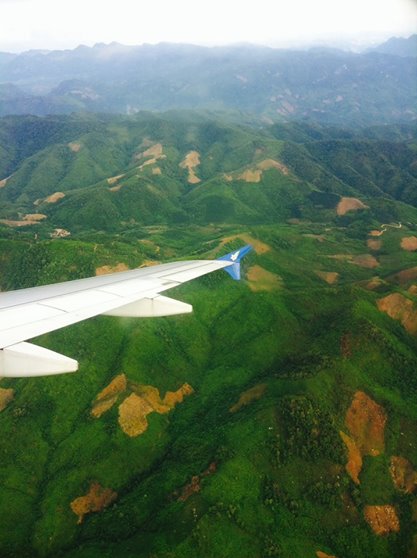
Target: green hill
{"type": "Point", "coordinates": [279, 418]}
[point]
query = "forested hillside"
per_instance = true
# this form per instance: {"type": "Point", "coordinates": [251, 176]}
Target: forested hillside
{"type": "Point", "coordinates": [279, 418]}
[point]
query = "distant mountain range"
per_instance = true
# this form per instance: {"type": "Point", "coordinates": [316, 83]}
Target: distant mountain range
{"type": "Point", "coordinates": [325, 85]}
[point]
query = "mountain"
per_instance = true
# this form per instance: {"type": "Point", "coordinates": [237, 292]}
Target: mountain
{"type": "Point", "coordinates": [102, 172]}
{"type": "Point", "coordinates": [398, 46]}
{"type": "Point", "coordinates": [325, 85]}
{"type": "Point", "coordinates": [277, 420]}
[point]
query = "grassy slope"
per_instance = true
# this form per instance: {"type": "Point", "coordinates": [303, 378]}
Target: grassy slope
{"type": "Point", "coordinates": [277, 490]}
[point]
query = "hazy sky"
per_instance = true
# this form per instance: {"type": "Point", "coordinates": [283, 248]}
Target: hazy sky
{"type": "Point", "coordinates": [67, 23]}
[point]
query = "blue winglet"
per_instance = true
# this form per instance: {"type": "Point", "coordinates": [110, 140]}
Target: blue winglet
{"type": "Point", "coordinates": [234, 257]}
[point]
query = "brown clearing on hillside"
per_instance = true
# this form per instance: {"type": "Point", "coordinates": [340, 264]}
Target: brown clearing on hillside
{"type": "Point", "coordinates": [104, 269]}
{"type": "Point", "coordinates": [404, 276]}
{"type": "Point", "coordinates": [255, 174]}
{"type": "Point", "coordinates": [375, 233]}
{"type": "Point", "coordinates": [135, 408]}
{"type": "Point", "coordinates": [259, 246]}
{"type": "Point", "coordinates": [114, 179]}
{"type": "Point", "coordinates": [354, 464]}
{"type": "Point", "coordinates": [11, 223]}
{"type": "Point", "coordinates": [4, 182]}
{"type": "Point", "coordinates": [403, 475]}
{"type": "Point", "coordinates": [156, 171]}
{"type": "Point", "coordinates": [374, 244]}
{"type": "Point", "coordinates": [195, 485]}
{"type": "Point", "coordinates": [192, 160]}
{"type": "Point", "coordinates": [59, 233]}
{"type": "Point", "coordinates": [6, 395]}
{"type": "Point", "coordinates": [53, 198]}
{"type": "Point", "coordinates": [252, 394]}
{"type": "Point", "coordinates": [34, 217]}
{"type": "Point", "coordinates": [409, 243]}
{"type": "Point", "coordinates": [272, 164]}
{"type": "Point", "coordinates": [321, 554]}
{"type": "Point", "coordinates": [155, 151]}
{"type": "Point", "coordinates": [262, 280]}
{"type": "Point", "coordinates": [412, 290]}
{"type": "Point", "coordinates": [400, 308]}
{"type": "Point", "coordinates": [366, 420]}
{"type": "Point", "coordinates": [365, 260]}
{"type": "Point", "coordinates": [374, 283]}
{"type": "Point", "coordinates": [349, 204]}
{"type": "Point", "coordinates": [250, 175]}
{"type": "Point", "coordinates": [74, 146]}
{"type": "Point", "coordinates": [95, 500]}
{"type": "Point", "coordinates": [109, 395]}
{"type": "Point", "coordinates": [330, 277]}
{"type": "Point", "coordinates": [382, 519]}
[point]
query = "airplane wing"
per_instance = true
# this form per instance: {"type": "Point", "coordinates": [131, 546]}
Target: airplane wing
{"type": "Point", "coordinates": [27, 313]}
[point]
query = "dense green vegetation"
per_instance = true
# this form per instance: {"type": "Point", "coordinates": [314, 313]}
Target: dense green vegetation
{"type": "Point", "coordinates": [252, 463]}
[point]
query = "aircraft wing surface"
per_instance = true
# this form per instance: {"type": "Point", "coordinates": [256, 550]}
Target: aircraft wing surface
{"type": "Point", "coordinates": [27, 313]}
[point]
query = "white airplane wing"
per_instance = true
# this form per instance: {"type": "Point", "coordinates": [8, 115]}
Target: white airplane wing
{"type": "Point", "coordinates": [27, 313]}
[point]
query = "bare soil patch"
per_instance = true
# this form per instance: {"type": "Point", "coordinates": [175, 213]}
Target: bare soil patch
{"type": "Point", "coordinates": [34, 217]}
{"type": "Point", "coordinates": [6, 396]}
{"type": "Point", "coordinates": [273, 164]}
{"type": "Point", "coordinates": [382, 519]}
{"type": "Point", "coordinates": [366, 420]}
{"type": "Point", "coordinates": [4, 182]}
{"type": "Point", "coordinates": [252, 394]}
{"type": "Point", "coordinates": [155, 151]}
{"type": "Point", "coordinates": [109, 395]}
{"type": "Point", "coordinates": [53, 198]}
{"type": "Point", "coordinates": [349, 204]}
{"type": "Point", "coordinates": [114, 179]}
{"type": "Point", "coordinates": [104, 269]}
{"type": "Point", "coordinates": [400, 308]}
{"type": "Point", "coordinates": [404, 276]}
{"type": "Point", "coordinates": [262, 280]}
{"type": "Point", "coordinates": [74, 146]}
{"type": "Point", "coordinates": [365, 260]}
{"type": "Point", "coordinates": [11, 223]}
{"type": "Point", "coordinates": [191, 161]}
{"type": "Point", "coordinates": [374, 244]}
{"type": "Point", "coordinates": [376, 233]}
{"type": "Point", "coordinates": [321, 554]}
{"type": "Point", "coordinates": [403, 475]}
{"type": "Point", "coordinates": [259, 246]}
{"type": "Point", "coordinates": [331, 277]}
{"type": "Point", "coordinates": [95, 500]}
{"type": "Point", "coordinates": [195, 485]}
{"type": "Point", "coordinates": [354, 464]}
{"type": "Point", "coordinates": [59, 233]}
{"type": "Point", "coordinates": [409, 243]}
{"type": "Point", "coordinates": [145, 400]}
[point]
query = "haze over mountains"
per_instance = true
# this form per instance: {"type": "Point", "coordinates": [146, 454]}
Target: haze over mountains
{"type": "Point", "coordinates": [327, 85]}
